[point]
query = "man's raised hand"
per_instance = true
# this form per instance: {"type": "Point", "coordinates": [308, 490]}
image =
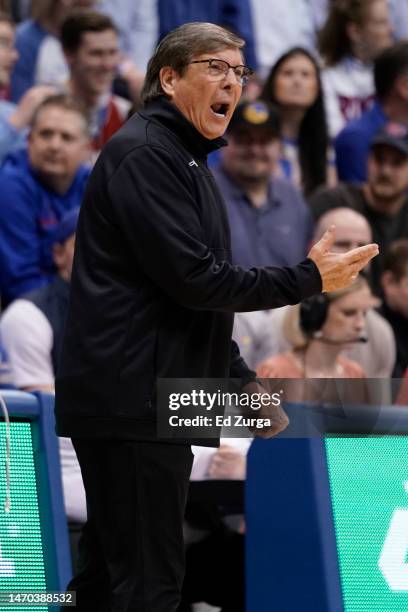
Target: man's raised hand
{"type": "Point", "coordinates": [339, 270]}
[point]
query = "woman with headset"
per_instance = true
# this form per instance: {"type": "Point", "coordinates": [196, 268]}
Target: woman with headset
{"type": "Point", "coordinates": [319, 329]}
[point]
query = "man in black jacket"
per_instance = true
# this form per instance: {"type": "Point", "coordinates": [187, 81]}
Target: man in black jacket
{"type": "Point", "coordinates": [153, 295]}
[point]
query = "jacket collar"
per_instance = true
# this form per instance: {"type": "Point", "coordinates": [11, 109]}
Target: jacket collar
{"type": "Point", "coordinates": [166, 113]}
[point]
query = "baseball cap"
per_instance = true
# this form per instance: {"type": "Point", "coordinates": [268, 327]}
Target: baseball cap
{"type": "Point", "coordinates": [67, 225]}
{"type": "Point", "coordinates": [393, 135]}
{"type": "Point", "coordinates": [256, 114]}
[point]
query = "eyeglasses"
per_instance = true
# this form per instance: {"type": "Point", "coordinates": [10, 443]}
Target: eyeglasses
{"type": "Point", "coordinates": [218, 70]}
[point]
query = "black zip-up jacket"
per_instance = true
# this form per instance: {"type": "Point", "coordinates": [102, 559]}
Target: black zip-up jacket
{"type": "Point", "coordinates": [153, 290]}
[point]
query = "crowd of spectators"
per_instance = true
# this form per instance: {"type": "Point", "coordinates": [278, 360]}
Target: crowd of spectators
{"type": "Point", "coordinates": [320, 138]}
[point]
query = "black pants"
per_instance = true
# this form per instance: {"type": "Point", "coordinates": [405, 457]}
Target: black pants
{"type": "Point", "coordinates": [216, 572]}
{"type": "Point", "coordinates": [131, 553]}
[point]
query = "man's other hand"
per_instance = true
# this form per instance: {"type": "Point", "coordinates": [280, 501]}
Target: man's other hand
{"type": "Point", "coordinates": [338, 270]}
{"type": "Point", "coordinates": [275, 414]}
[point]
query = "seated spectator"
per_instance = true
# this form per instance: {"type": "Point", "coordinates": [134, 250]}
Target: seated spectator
{"type": "Point", "coordinates": [14, 119]}
{"type": "Point", "coordinates": [394, 282]}
{"type": "Point", "coordinates": [269, 220]}
{"type": "Point", "coordinates": [319, 329]}
{"type": "Point", "coordinates": [31, 333]}
{"type": "Point", "coordinates": [336, 319]}
{"type": "Point", "coordinates": [354, 33]}
{"type": "Point", "coordinates": [41, 61]}
{"type": "Point", "coordinates": [91, 46]}
{"type": "Point", "coordinates": [353, 142]}
{"type": "Point", "coordinates": [383, 198]}
{"type": "Point", "coordinates": [377, 356]}
{"type": "Point", "coordinates": [294, 86]}
{"type": "Point", "coordinates": [260, 335]}
{"type": "Point", "coordinates": [38, 186]}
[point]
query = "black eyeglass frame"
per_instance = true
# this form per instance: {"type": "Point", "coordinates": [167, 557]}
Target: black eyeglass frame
{"type": "Point", "coordinates": [242, 80]}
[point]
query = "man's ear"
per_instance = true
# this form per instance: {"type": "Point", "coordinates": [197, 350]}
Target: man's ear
{"type": "Point", "coordinates": [168, 80]}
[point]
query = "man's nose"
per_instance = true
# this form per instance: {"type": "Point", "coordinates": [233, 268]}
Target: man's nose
{"type": "Point", "coordinates": [110, 62]}
{"type": "Point", "coordinates": [255, 148]}
{"type": "Point", "coordinates": [386, 168]}
{"type": "Point", "coordinates": [55, 141]}
{"type": "Point", "coordinates": [229, 80]}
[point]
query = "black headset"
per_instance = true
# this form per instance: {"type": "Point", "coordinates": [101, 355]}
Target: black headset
{"type": "Point", "coordinates": [313, 313]}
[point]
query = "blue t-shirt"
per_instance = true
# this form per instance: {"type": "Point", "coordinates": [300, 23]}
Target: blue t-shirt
{"type": "Point", "coordinates": [29, 212]}
{"type": "Point", "coordinates": [275, 234]}
{"type": "Point", "coordinates": [352, 145]}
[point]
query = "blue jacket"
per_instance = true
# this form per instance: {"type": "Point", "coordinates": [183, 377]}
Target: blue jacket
{"type": "Point", "coordinates": [233, 14]}
{"type": "Point", "coordinates": [29, 212]}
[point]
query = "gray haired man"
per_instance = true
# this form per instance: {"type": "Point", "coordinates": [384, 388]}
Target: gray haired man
{"type": "Point", "coordinates": [153, 295]}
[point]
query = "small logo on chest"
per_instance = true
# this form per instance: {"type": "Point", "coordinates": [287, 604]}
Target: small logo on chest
{"type": "Point", "coordinates": [193, 163]}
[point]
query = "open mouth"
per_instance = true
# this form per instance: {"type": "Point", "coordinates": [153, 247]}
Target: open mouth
{"type": "Point", "coordinates": [220, 109]}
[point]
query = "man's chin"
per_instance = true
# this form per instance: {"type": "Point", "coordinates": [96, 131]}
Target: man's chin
{"type": "Point", "coordinates": [99, 88]}
{"type": "Point", "coordinates": [50, 171]}
{"type": "Point", "coordinates": [211, 134]}
{"type": "Point", "coordinates": [254, 176]}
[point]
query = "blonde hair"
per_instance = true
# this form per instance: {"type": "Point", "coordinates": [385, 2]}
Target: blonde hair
{"type": "Point", "coordinates": [291, 327]}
